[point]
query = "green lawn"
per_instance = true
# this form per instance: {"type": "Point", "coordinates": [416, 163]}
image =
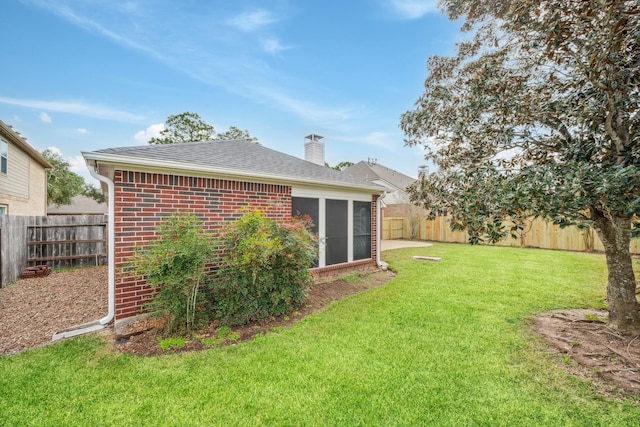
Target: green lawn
{"type": "Point", "coordinates": [443, 344]}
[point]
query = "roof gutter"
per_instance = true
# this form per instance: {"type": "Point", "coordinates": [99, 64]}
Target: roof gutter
{"type": "Point", "coordinates": [100, 324]}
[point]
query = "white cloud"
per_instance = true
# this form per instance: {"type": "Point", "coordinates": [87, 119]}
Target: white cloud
{"type": "Point", "coordinates": [252, 21]}
{"type": "Point", "coordinates": [45, 118]}
{"type": "Point", "coordinates": [272, 45]}
{"type": "Point", "coordinates": [82, 131]}
{"type": "Point", "coordinates": [74, 107]}
{"type": "Point", "coordinates": [153, 131]}
{"type": "Point", "coordinates": [78, 165]}
{"type": "Point", "coordinates": [413, 9]}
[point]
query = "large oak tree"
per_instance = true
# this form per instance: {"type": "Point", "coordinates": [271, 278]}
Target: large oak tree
{"type": "Point", "coordinates": [537, 115]}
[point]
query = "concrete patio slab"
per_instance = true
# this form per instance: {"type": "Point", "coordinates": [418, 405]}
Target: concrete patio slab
{"type": "Point", "coordinates": [398, 244]}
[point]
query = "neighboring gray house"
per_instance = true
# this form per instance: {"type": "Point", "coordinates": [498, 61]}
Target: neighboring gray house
{"type": "Point", "coordinates": [396, 200]}
{"type": "Point", "coordinates": [218, 181]}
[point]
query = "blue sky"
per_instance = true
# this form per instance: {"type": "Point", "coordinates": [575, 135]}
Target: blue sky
{"type": "Point", "coordinates": [83, 75]}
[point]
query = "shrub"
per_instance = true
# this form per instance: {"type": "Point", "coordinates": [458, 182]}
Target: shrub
{"type": "Point", "coordinates": [175, 266]}
{"type": "Point", "coordinates": [264, 270]}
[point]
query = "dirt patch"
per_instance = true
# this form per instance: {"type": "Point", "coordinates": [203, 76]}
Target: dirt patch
{"type": "Point", "coordinates": [32, 310]}
{"type": "Point", "coordinates": [142, 338]}
{"type": "Point", "coordinates": [591, 350]}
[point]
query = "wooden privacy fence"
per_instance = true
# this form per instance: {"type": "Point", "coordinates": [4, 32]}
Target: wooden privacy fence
{"type": "Point", "coordinates": [541, 234]}
{"type": "Point", "coordinates": [60, 241]}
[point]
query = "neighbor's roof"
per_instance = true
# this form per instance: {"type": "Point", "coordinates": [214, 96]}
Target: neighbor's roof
{"type": "Point", "coordinates": [232, 158]}
{"type": "Point", "coordinates": [8, 132]}
{"type": "Point", "coordinates": [374, 171]}
{"type": "Point", "coordinates": [80, 205]}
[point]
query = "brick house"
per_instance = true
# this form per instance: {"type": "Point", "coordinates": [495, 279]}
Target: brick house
{"type": "Point", "coordinates": [216, 180]}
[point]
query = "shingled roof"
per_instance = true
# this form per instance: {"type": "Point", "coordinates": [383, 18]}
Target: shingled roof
{"type": "Point", "coordinates": [231, 158]}
{"type": "Point", "coordinates": [374, 171]}
{"type": "Point", "coordinates": [7, 131]}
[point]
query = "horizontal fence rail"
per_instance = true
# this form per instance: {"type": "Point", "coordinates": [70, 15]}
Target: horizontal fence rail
{"type": "Point", "coordinates": [60, 241]}
{"type": "Point", "coordinates": [539, 234]}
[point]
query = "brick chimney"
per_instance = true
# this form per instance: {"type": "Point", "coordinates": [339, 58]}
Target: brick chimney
{"type": "Point", "coordinates": [314, 149]}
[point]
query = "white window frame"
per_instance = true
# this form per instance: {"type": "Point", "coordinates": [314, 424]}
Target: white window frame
{"type": "Point", "coordinates": [4, 209]}
{"type": "Point", "coordinates": [322, 196]}
{"type": "Point", "coordinates": [4, 144]}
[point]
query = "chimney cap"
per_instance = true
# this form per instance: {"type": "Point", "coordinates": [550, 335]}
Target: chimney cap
{"type": "Point", "coordinates": [314, 137]}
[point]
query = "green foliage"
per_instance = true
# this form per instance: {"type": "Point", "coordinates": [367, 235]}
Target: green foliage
{"type": "Point", "coordinates": [351, 277]}
{"type": "Point", "coordinates": [264, 270]}
{"type": "Point", "coordinates": [62, 184]}
{"type": "Point", "coordinates": [235, 133]}
{"type": "Point", "coordinates": [189, 127]}
{"type": "Point", "coordinates": [223, 331]}
{"type": "Point", "coordinates": [172, 343]}
{"type": "Point", "coordinates": [93, 192]}
{"type": "Point", "coordinates": [537, 115]}
{"type": "Point", "coordinates": [340, 166]}
{"type": "Point", "coordinates": [175, 264]}
{"type": "Point", "coordinates": [594, 318]}
{"type": "Point", "coordinates": [185, 127]}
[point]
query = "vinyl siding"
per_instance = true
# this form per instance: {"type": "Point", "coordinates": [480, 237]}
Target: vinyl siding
{"type": "Point", "coordinates": [24, 188]}
{"type": "Point", "coordinates": [16, 181]}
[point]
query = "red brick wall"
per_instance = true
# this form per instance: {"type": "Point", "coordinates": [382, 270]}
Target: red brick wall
{"type": "Point", "coordinates": [142, 200]}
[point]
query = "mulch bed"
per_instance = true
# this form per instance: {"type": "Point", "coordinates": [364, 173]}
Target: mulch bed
{"type": "Point", "coordinates": [32, 310]}
{"type": "Point", "coordinates": [142, 338]}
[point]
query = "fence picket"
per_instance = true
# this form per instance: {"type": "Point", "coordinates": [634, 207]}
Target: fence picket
{"type": "Point", "coordinates": [61, 241]}
{"type": "Point", "coordinates": [542, 234]}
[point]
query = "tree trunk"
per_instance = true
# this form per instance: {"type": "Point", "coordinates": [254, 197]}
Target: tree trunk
{"type": "Point", "coordinates": [614, 232]}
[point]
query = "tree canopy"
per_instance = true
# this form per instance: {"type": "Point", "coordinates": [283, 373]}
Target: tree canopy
{"type": "Point", "coordinates": [340, 166]}
{"type": "Point", "coordinates": [63, 184]}
{"type": "Point", "coordinates": [537, 115]}
{"type": "Point", "coordinates": [190, 127]}
{"type": "Point", "coordinates": [235, 133]}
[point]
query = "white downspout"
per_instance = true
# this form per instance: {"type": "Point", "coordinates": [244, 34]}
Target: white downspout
{"type": "Point", "coordinates": [111, 242]}
{"type": "Point", "coordinates": [98, 325]}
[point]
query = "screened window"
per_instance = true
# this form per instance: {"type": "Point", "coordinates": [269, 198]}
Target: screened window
{"type": "Point", "coordinates": [3, 209]}
{"type": "Point", "coordinates": [337, 231]}
{"type": "Point", "coordinates": [4, 153]}
{"type": "Point", "coordinates": [343, 228]}
{"type": "Point", "coordinates": [361, 230]}
{"type": "Point", "coordinates": [307, 206]}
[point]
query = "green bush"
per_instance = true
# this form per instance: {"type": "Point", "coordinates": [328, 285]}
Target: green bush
{"type": "Point", "coordinates": [175, 264]}
{"type": "Point", "coordinates": [264, 269]}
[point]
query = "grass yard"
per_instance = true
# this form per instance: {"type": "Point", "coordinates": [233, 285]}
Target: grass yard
{"type": "Point", "coordinates": [443, 344]}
